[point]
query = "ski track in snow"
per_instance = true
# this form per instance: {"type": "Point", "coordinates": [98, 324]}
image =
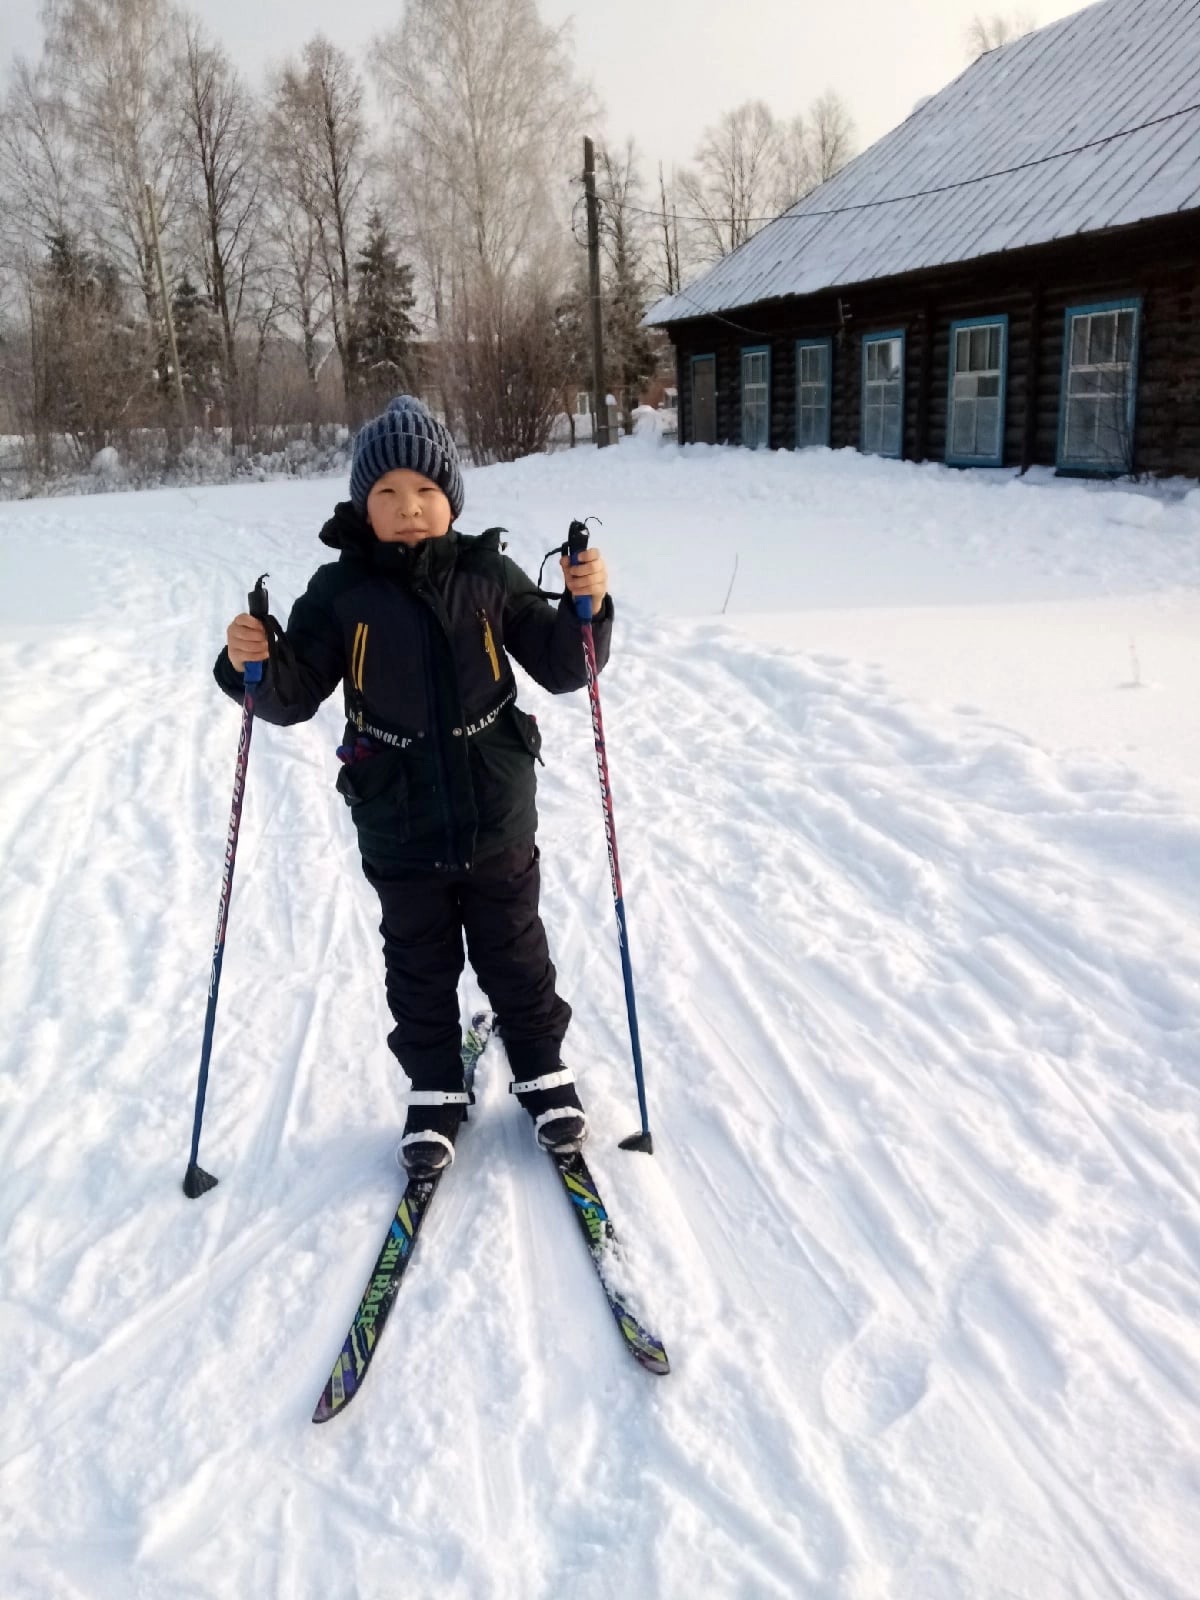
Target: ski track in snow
{"type": "Point", "coordinates": [919, 1010]}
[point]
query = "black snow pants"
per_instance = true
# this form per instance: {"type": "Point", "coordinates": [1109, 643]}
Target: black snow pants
{"type": "Point", "coordinates": [425, 918]}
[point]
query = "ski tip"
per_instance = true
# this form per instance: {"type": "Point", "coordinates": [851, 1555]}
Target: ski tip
{"type": "Point", "coordinates": [197, 1182]}
{"type": "Point", "coordinates": [326, 1409]}
{"type": "Point", "coordinates": [648, 1351]}
{"type": "Point", "coordinates": [654, 1361]}
{"type": "Point", "coordinates": [338, 1392]}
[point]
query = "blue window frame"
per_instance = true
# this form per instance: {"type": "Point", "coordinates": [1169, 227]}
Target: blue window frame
{"type": "Point", "coordinates": [883, 394]}
{"type": "Point", "coordinates": [975, 413]}
{"type": "Point", "coordinates": [1099, 386]}
{"type": "Point", "coordinates": [814, 367]}
{"type": "Point", "coordinates": [756, 396]}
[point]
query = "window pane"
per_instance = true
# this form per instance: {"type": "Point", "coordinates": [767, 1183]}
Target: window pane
{"type": "Point", "coordinates": [995, 333]}
{"type": "Point", "coordinates": [1080, 430]}
{"type": "Point", "coordinates": [872, 427]}
{"type": "Point", "coordinates": [891, 430]}
{"type": "Point", "coordinates": [962, 350]}
{"type": "Point", "coordinates": [1079, 341]}
{"type": "Point", "coordinates": [979, 349]}
{"type": "Point", "coordinates": [1112, 442]}
{"type": "Point", "coordinates": [962, 441]}
{"type": "Point", "coordinates": [1102, 346]}
{"type": "Point", "coordinates": [1125, 326]}
{"type": "Point", "coordinates": [987, 428]}
{"type": "Point", "coordinates": [813, 425]}
{"type": "Point", "coordinates": [989, 385]}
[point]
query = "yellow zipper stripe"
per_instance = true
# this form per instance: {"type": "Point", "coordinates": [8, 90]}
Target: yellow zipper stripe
{"type": "Point", "coordinates": [358, 656]}
{"type": "Point", "coordinates": [489, 644]}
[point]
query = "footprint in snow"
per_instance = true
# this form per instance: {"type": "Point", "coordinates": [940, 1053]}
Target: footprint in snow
{"type": "Point", "coordinates": [875, 1381]}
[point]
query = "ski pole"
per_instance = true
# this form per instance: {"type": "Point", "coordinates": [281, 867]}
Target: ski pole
{"type": "Point", "coordinates": [196, 1181]}
{"type": "Point", "coordinates": [577, 539]}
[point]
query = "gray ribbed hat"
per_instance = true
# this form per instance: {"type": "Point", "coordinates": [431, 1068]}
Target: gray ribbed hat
{"type": "Point", "coordinates": [406, 435]}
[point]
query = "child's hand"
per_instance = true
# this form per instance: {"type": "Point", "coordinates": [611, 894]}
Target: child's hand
{"type": "Point", "coordinates": [590, 576]}
{"type": "Point", "coordinates": [246, 640]}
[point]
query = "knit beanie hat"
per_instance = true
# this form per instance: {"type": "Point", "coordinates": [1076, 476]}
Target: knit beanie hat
{"type": "Point", "coordinates": [406, 435]}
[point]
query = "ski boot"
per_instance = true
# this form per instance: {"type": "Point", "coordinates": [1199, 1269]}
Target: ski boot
{"type": "Point", "coordinates": [430, 1129]}
{"type": "Point", "coordinates": [559, 1123]}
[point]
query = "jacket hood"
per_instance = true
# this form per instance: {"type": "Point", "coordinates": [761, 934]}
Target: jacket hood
{"type": "Point", "coordinates": [347, 529]}
{"type": "Point", "coordinates": [350, 532]}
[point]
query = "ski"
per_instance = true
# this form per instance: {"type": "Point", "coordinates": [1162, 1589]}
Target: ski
{"type": "Point", "coordinates": [350, 1368]}
{"type": "Point", "coordinates": [605, 1251]}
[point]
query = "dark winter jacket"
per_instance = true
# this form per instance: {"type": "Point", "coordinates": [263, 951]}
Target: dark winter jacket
{"type": "Point", "coordinates": [420, 639]}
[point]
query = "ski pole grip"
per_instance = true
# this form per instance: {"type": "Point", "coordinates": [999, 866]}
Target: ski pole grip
{"type": "Point", "coordinates": [577, 540]}
{"type": "Point", "coordinates": [257, 605]}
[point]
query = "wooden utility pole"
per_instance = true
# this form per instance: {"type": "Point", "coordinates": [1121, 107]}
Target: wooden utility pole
{"type": "Point", "coordinates": [166, 303]}
{"type": "Point", "coordinates": [593, 228]}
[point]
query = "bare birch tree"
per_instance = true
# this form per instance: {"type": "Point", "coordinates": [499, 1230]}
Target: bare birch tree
{"type": "Point", "coordinates": [39, 190]}
{"type": "Point", "coordinates": [292, 235]}
{"type": "Point", "coordinates": [483, 93]}
{"type": "Point", "coordinates": [319, 138]}
{"type": "Point", "coordinates": [109, 64]}
{"type": "Point", "coordinates": [796, 168]}
{"type": "Point", "coordinates": [830, 136]}
{"type": "Point", "coordinates": [751, 166]}
{"type": "Point", "coordinates": [220, 129]}
{"type": "Point", "coordinates": [667, 275]}
{"type": "Point", "coordinates": [989, 33]}
{"type": "Point", "coordinates": [734, 184]}
{"type": "Point", "coordinates": [485, 108]}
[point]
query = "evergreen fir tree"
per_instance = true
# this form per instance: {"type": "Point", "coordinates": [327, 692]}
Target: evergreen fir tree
{"type": "Point", "coordinates": [88, 356]}
{"type": "Point", "coordinates": [198, 340]}
{"type": "Point", "coordinates": [384, 331]}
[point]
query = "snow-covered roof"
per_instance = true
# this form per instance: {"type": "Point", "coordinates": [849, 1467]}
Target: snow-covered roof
{"type": "Point", "coordinates": [1090, 123]}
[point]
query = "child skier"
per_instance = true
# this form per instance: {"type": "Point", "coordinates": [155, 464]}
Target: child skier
{"type": "Point", "coordinates": [417, 622]}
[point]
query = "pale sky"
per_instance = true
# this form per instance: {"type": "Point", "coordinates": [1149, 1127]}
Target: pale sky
{"type": "Point", "coordinates": [664, 69]}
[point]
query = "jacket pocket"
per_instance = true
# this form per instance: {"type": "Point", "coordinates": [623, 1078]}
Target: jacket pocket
{"type": "Point", "coordinates": [528, 732]}
{"type": "Point", "coordinates": [376, 790]}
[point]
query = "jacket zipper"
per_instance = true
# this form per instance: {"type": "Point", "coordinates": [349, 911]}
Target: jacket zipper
{"type": "Point", "coordinates": [432, 621]}
{"type": "Point", "coordinates": [489, 644]}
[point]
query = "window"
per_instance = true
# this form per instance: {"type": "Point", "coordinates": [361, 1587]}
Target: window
{"type": "Point", "coordinates": [978, 362]}
{"type": "Point", "coordinates": [583, 404]}
{"type": "Point", "coordinates": [813, 361]}
{"type": "Point", "coordinates": [883, 394]}
{"type": "Point", "coordinates": [756, 396]}
{"type": "Point", "coordinates": [1099, 387]}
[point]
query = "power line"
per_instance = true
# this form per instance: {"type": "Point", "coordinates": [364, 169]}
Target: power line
{"type": "Point", "coordinates": [944, 188]}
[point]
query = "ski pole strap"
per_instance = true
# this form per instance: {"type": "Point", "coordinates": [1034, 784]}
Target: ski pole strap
{"type": "Point", "coordinates": [577, 540]}
{"type": "Point", "coordinates": [258, 607]}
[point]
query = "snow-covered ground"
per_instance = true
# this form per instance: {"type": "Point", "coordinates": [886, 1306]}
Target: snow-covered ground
{"type": "Point", "coordinates": [911, 848]}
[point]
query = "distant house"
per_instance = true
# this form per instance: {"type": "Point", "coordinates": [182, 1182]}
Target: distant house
{"type": "Point", "coordinates": [1010, 277]}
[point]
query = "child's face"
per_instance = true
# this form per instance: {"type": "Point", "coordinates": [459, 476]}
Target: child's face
{"type": "Point", "coordinates": [404, 507]}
